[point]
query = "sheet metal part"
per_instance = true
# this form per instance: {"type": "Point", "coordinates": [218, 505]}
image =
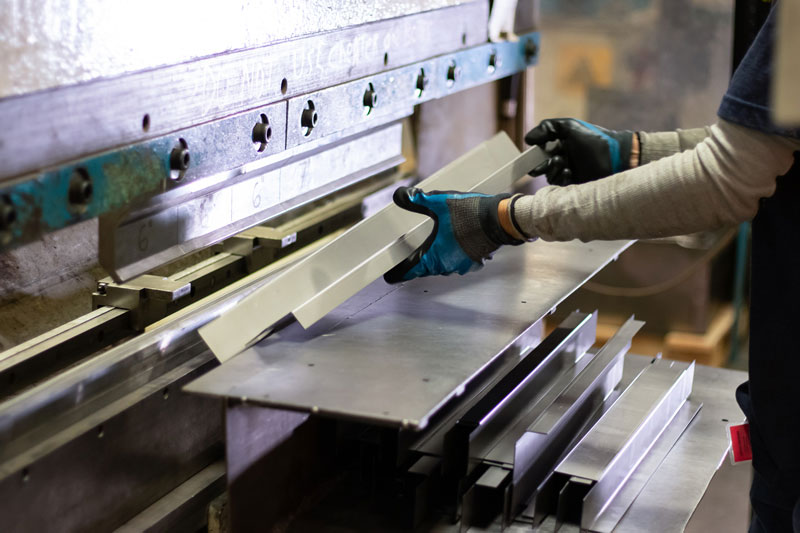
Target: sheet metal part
{"type": "Point", "coordinates": [477, 428]}
{"type": "Point", "coordinates": [608, 454]}
{"type": "Point", "coordinates": [607, 520]}
{"type": "Point", "coordinates": [396, 362]}
{"type": "Point", "coordinates": [318, 284]}
{"type": "Point", "coordinates": [671, 494]}
{"type": "Point", "coordinates": [222, 84]}
{"type": "Point", "coordinates": [564, 411]}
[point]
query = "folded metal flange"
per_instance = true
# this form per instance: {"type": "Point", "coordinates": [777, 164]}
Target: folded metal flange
{"type": "Point", "coordinates": [565, 345]}
{"type": "Point", "coordinates": [596, 469]}
{"type": "Point", "coordinates": [324, 280]}
{"type": "Point", "coordinates": [608, 519]}
{"type": "Point", "coordinates": [539, 449]}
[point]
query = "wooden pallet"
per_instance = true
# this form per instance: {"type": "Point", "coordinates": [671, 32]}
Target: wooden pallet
{"type": "Point", "coordinates": [708, 348]}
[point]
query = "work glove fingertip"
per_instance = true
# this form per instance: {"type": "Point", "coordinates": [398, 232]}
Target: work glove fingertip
{"type": "Point", "coordinates": [541, 168]}
{"type": "Point", "coordinates": [541, 134]}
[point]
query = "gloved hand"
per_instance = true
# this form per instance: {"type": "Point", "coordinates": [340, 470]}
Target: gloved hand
{"type": "Point", "coordinates": [466, 231]}
{"type": "Point", "coordinates": [584, 152]}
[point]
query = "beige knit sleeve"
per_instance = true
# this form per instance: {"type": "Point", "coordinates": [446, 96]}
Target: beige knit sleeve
{"type": "Point", "coordinates": [665, 143]}
{"type": "Point", "coordinates": [718, 182]}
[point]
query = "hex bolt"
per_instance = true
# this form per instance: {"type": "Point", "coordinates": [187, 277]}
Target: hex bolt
{"type": "Point", "coordinates": [370, 99]}
{"type": "Point", "coordinates": [422, 82]}
{"type": "Point", "coordinates": [453, 73]}
{"type": "Point", "coordinates": [8, 213]}
{"type": "Point", "coordinates": [262, 133]}
{"type": "Point", "coordinates": [309, 118]}
{"type": "Point", "coordinates": [530, 50]}
{"type": "Point", "coordinates": [80, 188]}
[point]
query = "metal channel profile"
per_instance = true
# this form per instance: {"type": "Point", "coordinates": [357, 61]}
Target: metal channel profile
{"type": "Point", "coordinates": [598, 466]}
{"type": "Point", "coordinates": [220, 85]}
{"type": "Point", "coordinates": [501, 403]}
{"type": "Point", "coordinates": [324, 280]}
{"type": "Point", "coordinates": [608, 519]}
{"type": "Point", "coordinates": [130, 245]}
{"type": "Point", "coordinates": [538, 450]}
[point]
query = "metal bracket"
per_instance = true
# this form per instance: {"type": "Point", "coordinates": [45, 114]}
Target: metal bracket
{"type": "Point", "coordinates": [330, 276]}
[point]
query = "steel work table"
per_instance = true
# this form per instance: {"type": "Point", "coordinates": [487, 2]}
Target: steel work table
{"type": "Point", "coordinates": [393, 355]}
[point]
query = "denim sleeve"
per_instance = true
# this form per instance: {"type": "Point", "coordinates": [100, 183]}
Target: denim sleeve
{"type": "Point", "coordinates": [747, 100]}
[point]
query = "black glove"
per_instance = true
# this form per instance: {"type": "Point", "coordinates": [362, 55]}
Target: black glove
{"type": "Point", "coordinates": [583, 152]}
{"type": "Point", "coordinates": [466, 232]}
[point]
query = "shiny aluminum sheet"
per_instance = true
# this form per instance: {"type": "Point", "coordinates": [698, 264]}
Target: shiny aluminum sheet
{"type": "Point", "coordinates": [673, 491]}
{"type": "Point", "coordinates": [395, 354]}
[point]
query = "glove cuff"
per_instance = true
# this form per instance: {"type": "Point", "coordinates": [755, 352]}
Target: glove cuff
{"type": "Point", "coordinates": [625, 140]}
{"type": "Point", "coordinates": [490, 221]}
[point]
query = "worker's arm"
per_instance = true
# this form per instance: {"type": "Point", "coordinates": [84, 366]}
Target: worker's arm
{"type": "Point", "coordinates": [718, 182]}
{"type": "Point", "coordinates": [654, 146]}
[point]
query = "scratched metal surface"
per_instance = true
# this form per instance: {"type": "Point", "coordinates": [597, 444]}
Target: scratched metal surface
{"type": "Point", "coordinates": [51, 43]}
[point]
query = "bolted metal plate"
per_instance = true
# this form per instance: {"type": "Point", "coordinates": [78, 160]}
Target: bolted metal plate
{"type": "Point", "coordinates": [77, 120]}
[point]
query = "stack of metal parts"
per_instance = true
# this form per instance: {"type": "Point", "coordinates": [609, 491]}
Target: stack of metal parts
{"type": "Point", "coordinates": [544, 431]}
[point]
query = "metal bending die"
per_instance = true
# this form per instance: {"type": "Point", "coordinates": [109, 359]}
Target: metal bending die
{"type": "Point", "coordinates": [330, 276]}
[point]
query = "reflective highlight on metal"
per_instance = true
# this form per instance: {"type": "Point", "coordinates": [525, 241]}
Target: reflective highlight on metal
{"type": "Point", "coordinates": [411, 349]}
{"type": "Point", "coordinates": [604, 459]}
{"type": "Point", "coordinates": [630, 489]}
{"type": "Point", "coordinates": [361, 255]}
{"type": "Point", "coordinates": [506, 398]}
{"type": "Point", "coordinates": [565, 411]}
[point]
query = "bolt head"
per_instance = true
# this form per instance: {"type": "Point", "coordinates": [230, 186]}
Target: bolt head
{"type": "Point", "coordinates": [262, 133]}
{"type": "Point", "coordinates": [422, 82]}
{"type": "Point", "coordinates": [179, 158]}
{"type": "Point", "coordinates": [530, 49]}
{"type": "Point", "coordinates": [80, 188]}
{"type": "Point", "coordinates": [370, 98]}
{"type": "Point", "coordinates": [453, 73]}
{"type": "Point", "coordinates": [309, 118]}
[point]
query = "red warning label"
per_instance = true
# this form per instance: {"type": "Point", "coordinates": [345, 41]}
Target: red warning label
{"type": "Point", "coordinates": [740, 443]}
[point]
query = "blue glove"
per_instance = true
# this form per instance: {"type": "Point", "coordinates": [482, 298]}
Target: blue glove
{"type": "Point", "coordinates": [466, 232]}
